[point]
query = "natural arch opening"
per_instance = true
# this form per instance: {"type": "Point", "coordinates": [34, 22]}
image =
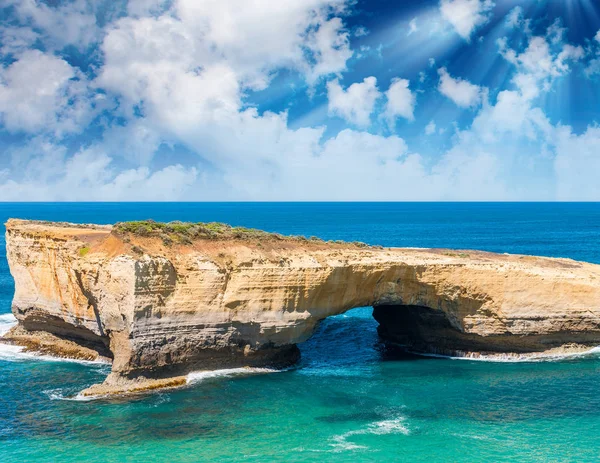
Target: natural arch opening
{"type": "Point", "coordinates": [402, 331]}
{"type": "Point", "coordinates": [420, 329]}
{"type": "Point", "coordinates": [352, 339]}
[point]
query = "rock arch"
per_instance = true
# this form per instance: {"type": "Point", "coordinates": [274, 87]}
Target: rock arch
{"type": "Point", "coordinates": [166, 310]}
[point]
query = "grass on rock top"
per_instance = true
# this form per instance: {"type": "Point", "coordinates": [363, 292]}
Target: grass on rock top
{"type": "Point", "coordinates": [186, 232]}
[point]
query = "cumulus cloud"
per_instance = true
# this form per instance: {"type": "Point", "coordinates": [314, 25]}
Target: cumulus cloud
{"type": "Point", "coordinates": [175, 79]}
{"type": "Point", "coordinates": [543, 60]}
{"type": "Point", "coordinates": [516, 19]}
{"type": "Point", "coordinates": [187, 72]}
{"type": "Point", "coordinates": [90, 175]}
{"type": "Point", "coordinates": [539, 60]}
{"type": "Point", "coordinates": [400, 101]}
{"type": "Point", "coordinates": [356, 103]}
{"type": "Point", "coordinates": [178, 72]}
{"type": "Point", "coordinates": [300, 34]}
{"type": "Point", "coordinates": [146, 7]}
{"type": "Point", "coordinates": [69, 23]}
{"type": "Point", "coordinates": [577, 164]}
{"type": "Point", "coordinates": [329, 50]}
{"type": "Point", "coordinates": [40, 92]}
{"type": "Point", "coordinates": [17, 39]}
{"type": "Point", "coordinates": [137, 141]}
{"type": "Point", "coordinates": [515, 16]}
{"type": "Point", "coordinates": [466, 15]}
{"type": "Point", "coordinates": [593, 66]}
{"type": "Point", "coordinates": [361, 31]}
{"type": "Point", "coordinates": [462, 92]}
{"type": "Point", "coordinates": [430, 128]}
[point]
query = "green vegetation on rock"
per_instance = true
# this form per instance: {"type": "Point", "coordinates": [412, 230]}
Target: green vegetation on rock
{"type": "Point", "coordinates": [186, 232]}
{"type": "Point", "coordinates": [83, 251]}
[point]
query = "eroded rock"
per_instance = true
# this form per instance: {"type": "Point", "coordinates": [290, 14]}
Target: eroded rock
{"type": "Point", "coordinates": [162, 308]}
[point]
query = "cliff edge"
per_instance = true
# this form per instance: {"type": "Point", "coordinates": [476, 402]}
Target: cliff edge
{"type": "Point", "coordinates": [161, 300]}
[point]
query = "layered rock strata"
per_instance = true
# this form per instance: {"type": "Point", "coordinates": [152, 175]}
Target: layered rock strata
{"type": "Point", "coordinates": [161, 307]}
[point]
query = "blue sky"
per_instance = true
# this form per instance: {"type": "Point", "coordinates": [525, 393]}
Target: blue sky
{"type": "Point", "coordinates": [299, 100]}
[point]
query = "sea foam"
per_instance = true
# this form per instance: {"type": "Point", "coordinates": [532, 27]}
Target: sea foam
{"type": "Point", "coordinates": [61, 394]}
{"type": "Point", "coordinates": [199, 376]}
{"type": "Point", "coordinates": [9, 352]}
{"type": "Point", "coordinates": [392, 426]}
{"type": "Point", "coordinates": [594, 352]}
{"type": "Point", "coordinates": [7, 321]}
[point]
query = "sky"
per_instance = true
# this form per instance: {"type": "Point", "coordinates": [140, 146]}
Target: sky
{"type": "Point", "coordinates": [299, 100]}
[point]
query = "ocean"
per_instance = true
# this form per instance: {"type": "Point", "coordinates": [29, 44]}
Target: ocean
{"type": "Point", "coordinates": [350, 398]}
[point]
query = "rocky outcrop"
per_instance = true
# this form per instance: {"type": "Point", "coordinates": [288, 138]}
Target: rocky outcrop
{"type": "Point", "coordinates": [161, 307]}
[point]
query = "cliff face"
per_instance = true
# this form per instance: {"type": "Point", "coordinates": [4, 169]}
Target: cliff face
{"type": "Point", "coordinates": [162, 310]}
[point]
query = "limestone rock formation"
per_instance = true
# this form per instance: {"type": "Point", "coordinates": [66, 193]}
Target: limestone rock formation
{"type": "Point", "coordinates": [163, 304]}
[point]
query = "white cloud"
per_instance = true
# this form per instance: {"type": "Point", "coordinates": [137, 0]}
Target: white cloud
{"type": "Point", "coordinates": [556, 32]}
{"type": "Point", "coordinates": [539, 60]}
{"type": "Point", "coordinates": [504, 155]}
{"type": "Point", "coordinates": [512, 114]}
{"type": "Point", "coordinates": [41, 92]}
{"type": "Point", "coordinates": [466, 15]}
{"type": "Point", "coordinates": [17, 39]}
{"type": "Point", "coordinates": [90, 175]}
{"type": "Point", "coordinates": [69, 23]}
{"type": "Point", "coordinates": [515, 16]}
{"type": "Point", "coordinates": [40, 160]}
{"type": "Point", "coordinates": [361, 31]}
{"type": "Point", "coordinates": [146, 7]}
{"type": "Point", "coordinates": [181, 79]}
{"type": "Point", "coordinates": [412, 27]}
{"type": "Point", "coordinates": [527, 84]}
{"type": "Point", "coordinates": [544, 60]}
{"type": "Point", "coordinates": [300, 35]}
{"type": "Point", "coordinates": [577, 164]}
{"type": "Point", "coordinates": [137, 141]}
{"type": "Point", "coordinates": [400, 101]}
{"type": "Point", "coordinates": [516, 19]}
{"type": "Point", "coordinates": [430, 128]}
{"type": "Point", "coordinates": [462, 92]}
{"type": "Point", "coordinates": [593, 66]}
{"type": "Point", "coordinates": [354, 104]}
{"type": "Point", "coordinates": [330, 49]}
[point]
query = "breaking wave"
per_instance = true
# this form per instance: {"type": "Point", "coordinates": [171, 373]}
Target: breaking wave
{"type": "Point", "coordinates": [11, 353]}
{"type": "Point", "coordinates": [594, 352]}
{"type": "Point", "coordinates": [7, 321]}
{"type": "Point", "coordinates": [343, 442]}
{"type": "Point", "coordinates": [199, 376]}
{"type": "Point", "coordinates": [60, 394]}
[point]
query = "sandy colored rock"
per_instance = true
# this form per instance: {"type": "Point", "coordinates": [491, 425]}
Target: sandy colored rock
{"type": "Point", "coordinates": [123, 386]}
{"type": "Point", "coordinates": [45, 343]}
{"type": "Point", "coordinates": [163, 310]}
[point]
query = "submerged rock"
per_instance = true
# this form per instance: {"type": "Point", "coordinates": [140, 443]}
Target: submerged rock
{"type": "Point", "coordinates": [213, 296]}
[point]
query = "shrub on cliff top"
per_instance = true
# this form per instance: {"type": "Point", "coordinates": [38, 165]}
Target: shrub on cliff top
{"type": "Point", "coordinates": [185, 232]}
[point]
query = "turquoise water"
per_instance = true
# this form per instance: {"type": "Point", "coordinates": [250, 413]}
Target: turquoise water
{"type": "Point", "coordinates": [349, 399]}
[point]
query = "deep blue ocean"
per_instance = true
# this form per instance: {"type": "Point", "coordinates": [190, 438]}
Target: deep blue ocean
{"type": "Point", "coordinates": [349, 399]}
